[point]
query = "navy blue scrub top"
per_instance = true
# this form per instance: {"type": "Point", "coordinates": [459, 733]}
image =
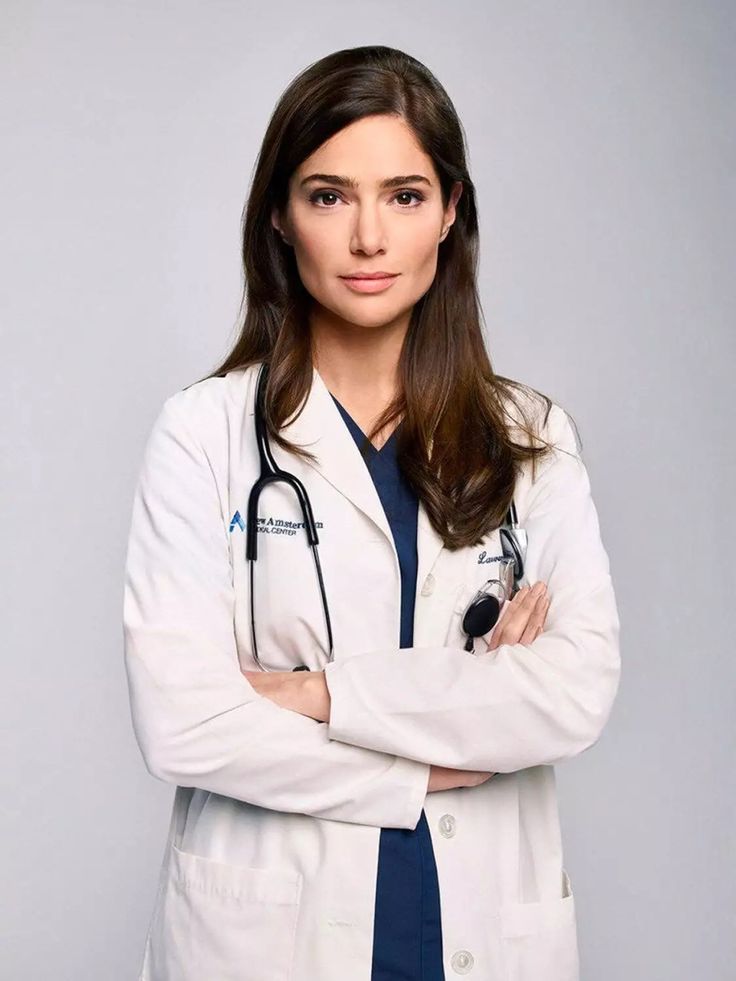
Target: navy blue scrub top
{"type": "Point", "coordinates": [407, 929]}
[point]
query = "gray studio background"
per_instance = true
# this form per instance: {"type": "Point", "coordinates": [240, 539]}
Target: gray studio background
{"type": "Point", "coordinates": [601, 143]}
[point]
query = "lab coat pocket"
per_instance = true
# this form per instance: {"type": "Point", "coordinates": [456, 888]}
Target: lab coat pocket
{"type": "Point", "coordinates": [540, 939]}
{"type": "Point", "coordinates": [223, 921]}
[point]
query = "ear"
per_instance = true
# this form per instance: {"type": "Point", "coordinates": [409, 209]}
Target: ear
{"type": "Point", "coordinates": [449, 215]}
{"type": "Point", "coordinates": [276, 223]}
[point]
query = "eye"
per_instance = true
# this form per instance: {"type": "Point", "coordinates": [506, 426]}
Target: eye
{"type": "Point", "coordinates": [416, 195]}
{"type": "Point", "coordinates": [413, 195]}
{"type": "Point", "coordinates": [321, 194]}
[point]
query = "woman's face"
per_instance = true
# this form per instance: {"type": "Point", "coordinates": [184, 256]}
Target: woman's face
{"type": "Point", "coordinates": [345, 222]}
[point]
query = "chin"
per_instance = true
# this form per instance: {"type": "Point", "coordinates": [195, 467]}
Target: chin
{"type": "Point", "coordinates": [380, 318]}
{"type": "Point", "coordinates": [361, 315]}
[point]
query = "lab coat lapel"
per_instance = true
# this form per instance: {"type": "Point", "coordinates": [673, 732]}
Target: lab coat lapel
{"type": "Point", "coordinates": [429, 546]}
{"type": "Point", "coordinates": [321, 428]}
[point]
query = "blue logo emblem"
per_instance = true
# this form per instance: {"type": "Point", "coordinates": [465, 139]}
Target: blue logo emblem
{"type": "Point", "coordinates": [237, 520]}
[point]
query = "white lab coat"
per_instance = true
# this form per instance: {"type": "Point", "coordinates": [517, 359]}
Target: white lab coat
{"type": "Point", "coordinates": [269, 871]}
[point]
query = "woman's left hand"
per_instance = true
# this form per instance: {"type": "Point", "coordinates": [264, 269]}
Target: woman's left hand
{"type": "Point", "coordinates": [304, 692]}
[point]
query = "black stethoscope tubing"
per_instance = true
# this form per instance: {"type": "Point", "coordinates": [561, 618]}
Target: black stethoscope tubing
{"type": "Point", "coordinates": [480, 615]}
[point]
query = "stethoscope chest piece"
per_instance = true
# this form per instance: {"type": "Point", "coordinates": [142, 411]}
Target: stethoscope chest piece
{"type": "Point", "coordinates": [481, 615]}
{"type": "Point", "coordinates": [485, 608]}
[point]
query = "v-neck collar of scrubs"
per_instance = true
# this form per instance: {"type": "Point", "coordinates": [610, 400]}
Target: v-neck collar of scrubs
{"type": "Point", "coordinates": [360, 436]}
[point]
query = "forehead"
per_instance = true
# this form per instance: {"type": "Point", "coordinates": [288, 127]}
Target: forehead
{"type": "Point", "coordinates": [368, 151]}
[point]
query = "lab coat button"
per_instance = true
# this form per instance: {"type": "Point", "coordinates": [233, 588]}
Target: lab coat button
{"type": "Point", "coordinates": [428, 585]}
{"type": "Point", "coordinates": [447, 825]}
{"type": "Point", "coordinates": [462, 962]}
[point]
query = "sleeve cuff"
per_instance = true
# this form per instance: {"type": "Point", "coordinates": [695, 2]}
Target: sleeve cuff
{"type": "Point", "coordinates": [410, 773]}
{"type": "Point", "coordinates": [346, 709]}
{"type": "Point", "coordinates": [417, 781]}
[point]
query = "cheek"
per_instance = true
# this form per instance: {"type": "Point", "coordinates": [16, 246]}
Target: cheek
{"type": "Point", "coordinates": [422, 266]}
{"type": "Point", "coordinates": [317, 264]}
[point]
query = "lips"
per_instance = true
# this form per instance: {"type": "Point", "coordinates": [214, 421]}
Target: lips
{"type": "Point", "coordinates": [370, 283]}
{"type": "Point", "coordinates": [374, 275]}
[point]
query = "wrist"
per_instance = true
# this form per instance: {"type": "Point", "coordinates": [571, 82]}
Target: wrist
{"type": "Point", "coordinates": [317, 696]}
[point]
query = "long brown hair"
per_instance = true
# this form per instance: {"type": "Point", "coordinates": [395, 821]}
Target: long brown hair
{"type": "Point", "coordinates": [454, 445]}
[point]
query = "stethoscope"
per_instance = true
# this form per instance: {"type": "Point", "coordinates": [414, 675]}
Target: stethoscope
{"type": "Point", "coordinates": [483, 610]}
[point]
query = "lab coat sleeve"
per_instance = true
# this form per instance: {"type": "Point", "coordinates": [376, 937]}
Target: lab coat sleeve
{"type": "Point", "coordinates": [197, 720]}
{"type": "Point", "coordinates": [521, 705]}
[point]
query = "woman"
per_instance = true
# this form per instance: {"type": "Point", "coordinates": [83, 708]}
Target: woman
{"type": "Point", "coordinates": [389, 813]}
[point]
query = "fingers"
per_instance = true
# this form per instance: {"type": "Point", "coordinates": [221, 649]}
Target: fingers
{"type": "Point", "coordinates": [522, 617]}
{"type": "Point", "coordinates": [536, 620]}
{"type": "Point", "coordinates": [516, 611]}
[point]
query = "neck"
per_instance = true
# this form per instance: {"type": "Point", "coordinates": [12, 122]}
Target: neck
{"type": "Point", "coordinates": [358, 364]}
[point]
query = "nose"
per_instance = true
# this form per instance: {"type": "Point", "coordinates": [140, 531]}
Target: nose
{"type": "Point", "coordinates": [368, 233]}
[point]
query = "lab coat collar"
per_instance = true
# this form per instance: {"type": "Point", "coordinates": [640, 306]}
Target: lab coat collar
{"type": "Point", "coordinates": [321, 429]}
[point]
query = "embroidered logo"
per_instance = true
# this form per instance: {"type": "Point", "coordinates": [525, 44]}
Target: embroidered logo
{"type": "Point", "coordinates": [271, 525]}
{"type": "Point", "coordinates": [484, 557]}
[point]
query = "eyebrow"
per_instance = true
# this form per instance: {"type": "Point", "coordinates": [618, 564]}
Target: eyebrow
{"type": "Point", "coordinates": [351, 182]}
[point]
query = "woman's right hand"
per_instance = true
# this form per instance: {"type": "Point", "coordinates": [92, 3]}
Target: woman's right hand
{"type": "Point", "coordinates": [445, 778]}
{"type": "Point", "coordinates": [521, 621]}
